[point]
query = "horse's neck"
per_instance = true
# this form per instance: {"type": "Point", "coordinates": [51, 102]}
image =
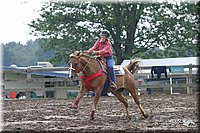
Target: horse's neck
{"type": "Point", "coordinates": [91, 66]}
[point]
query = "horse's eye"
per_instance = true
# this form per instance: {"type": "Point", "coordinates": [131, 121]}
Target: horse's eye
{"type": "Point", "coordinates": [75, 64]}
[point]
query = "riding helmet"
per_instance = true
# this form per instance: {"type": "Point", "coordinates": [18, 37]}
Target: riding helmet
{"type": "Point", "coordinates": [105, 33]}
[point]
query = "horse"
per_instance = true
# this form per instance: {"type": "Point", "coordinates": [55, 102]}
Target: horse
{"type": "Point", "coordinates": [87, 65]}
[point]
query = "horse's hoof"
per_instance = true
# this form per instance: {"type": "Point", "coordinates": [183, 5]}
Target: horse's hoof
{"type": "Point", "coordinates": [146, 115]}
{"type": "Point", "coordinates": [72, 106]}
{"type": "Point", "coordinates": [128, 118]}
{"type": "Point", "coordinates": [92, 115]}
{"type": "Point", "coordinates": [91, 118]}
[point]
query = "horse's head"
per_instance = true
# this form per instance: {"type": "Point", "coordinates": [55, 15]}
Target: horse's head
{"type": "Point", "coordinates": [74, 64]}
{"type": "Point", "coordinates": [78, 62]}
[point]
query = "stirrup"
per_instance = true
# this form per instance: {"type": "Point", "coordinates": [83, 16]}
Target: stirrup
{"type": "Point", "coordinates": [113, 85]}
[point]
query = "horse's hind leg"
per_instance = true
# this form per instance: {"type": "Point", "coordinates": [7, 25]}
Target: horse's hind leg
{"type": "Point", "coordinates": [122, 99]}
{"type": "Point", "coordinates": [136, 99]}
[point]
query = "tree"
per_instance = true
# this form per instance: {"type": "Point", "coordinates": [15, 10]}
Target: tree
{"type": "Point", "coordinates": [135, 27]}
{"type": "Point", "coordinates": [24, 55]}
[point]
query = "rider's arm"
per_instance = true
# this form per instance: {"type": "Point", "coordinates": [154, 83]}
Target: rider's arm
{"type": "Point", "coordinates": [107, 48]}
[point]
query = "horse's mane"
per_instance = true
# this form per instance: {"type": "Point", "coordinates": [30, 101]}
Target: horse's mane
{"type": "Point", "coordinates": [81, 53]}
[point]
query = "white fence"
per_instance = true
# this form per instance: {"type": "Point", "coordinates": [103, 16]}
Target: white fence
{"type": "Point", "coordinates": [189, 80]}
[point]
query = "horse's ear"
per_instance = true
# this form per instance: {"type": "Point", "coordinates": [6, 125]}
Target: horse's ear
{"type": "Point", "coordinates": [78, 53]}
{"type": "Point", "coordinates": [71, 55]}
{"type": "Point", "coordinates": [81, 52]}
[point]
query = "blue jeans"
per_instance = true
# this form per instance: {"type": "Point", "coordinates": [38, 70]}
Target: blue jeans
{"type": "Point", "coordinates": [110, 63]}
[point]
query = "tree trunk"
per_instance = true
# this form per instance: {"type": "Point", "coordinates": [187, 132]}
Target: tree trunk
{"type": "Point", "coordinates": [119, 57]}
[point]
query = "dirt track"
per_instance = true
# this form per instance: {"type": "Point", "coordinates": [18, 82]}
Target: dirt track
{"type": "Point", "coordinates": [166, 112]}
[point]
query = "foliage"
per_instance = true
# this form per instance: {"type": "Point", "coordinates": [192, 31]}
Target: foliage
{"type": "Point", "coordinates": [24, 55]}
{"type": "Point", "coordinates": [135, 28]}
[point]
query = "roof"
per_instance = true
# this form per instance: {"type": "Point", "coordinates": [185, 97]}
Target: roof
{"type": "Point", "coordinates": [166, 61]}
{"type": "Point", "coordinates": [63, 74]}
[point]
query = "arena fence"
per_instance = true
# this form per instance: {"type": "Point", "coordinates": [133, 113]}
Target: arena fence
{"type": "Point", "coordinates": [186, 82]}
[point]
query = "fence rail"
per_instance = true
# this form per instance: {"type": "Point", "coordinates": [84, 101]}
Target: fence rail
{"type": "Point", "coordinates": [43, 89]}
{"type": "Point", "coordinates": [188, 76]}
{"type": "Point", "coordinates": [30, 70]}
{"type": "Point", "coordinates": [38, 80]}
{"type": "Point", "coordinates": [190, 80]}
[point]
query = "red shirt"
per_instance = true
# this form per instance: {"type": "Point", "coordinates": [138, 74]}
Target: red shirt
{"type": "Point", "coordinates": [105, 49]}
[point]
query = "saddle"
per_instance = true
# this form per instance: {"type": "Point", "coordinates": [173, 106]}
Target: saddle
{"type": "Point", "coordinates": [119, 71]}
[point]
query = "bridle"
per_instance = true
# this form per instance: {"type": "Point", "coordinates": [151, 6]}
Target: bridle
{"type": "Point", "coordinates": [82, 69]}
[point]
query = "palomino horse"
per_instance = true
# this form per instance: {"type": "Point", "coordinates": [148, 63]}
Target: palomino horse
{"type": "Point", "coordinates": [88, 65]}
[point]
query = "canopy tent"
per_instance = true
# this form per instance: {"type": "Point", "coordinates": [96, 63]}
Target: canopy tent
{"type": "Point", "coordinates": [181, 61]}
{"type": "Point", "coordinates": [62, 74]}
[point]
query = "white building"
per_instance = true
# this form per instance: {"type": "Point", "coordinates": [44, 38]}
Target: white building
{"type": "Point", "coordinates": [37, 84]}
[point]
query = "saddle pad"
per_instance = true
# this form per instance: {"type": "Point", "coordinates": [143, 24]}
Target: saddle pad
{"type": "Point", "coordinates": [119, 70]}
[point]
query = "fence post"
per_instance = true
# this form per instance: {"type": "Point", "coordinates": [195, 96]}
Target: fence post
{"type": "Point", "coordinates": [28, 80]}
{"type": "Point", "coordinates": [139, 85]}
{"type": "Point", "coordinates": [189, 80]}
{"type": "Point", "coordinates": [170, 82]}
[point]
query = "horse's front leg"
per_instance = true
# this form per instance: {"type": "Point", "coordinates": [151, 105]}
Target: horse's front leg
{"type": "Point", "coordinates": [96, 99]}
{"type": "Point", "coordinates": [80, 95]}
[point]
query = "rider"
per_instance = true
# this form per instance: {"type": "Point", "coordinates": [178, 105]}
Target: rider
{"type": "Point", "coordinates": [103, 48]}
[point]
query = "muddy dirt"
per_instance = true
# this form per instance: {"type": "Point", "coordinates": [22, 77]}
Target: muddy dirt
{"type": "Point", "coordinates": [166, 113]}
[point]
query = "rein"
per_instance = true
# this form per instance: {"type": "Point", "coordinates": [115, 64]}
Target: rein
{"type": "Point", "coordinates": [86, 64]}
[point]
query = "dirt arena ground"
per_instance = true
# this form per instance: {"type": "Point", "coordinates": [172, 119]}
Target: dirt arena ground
{"type": "Point", "coordinates": [166, 113]}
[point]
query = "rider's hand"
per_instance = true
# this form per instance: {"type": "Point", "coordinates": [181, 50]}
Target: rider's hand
{"type": "Point", "coordinates": [89, 51]}
{"type": "Point", "coordinates": [95, 52]}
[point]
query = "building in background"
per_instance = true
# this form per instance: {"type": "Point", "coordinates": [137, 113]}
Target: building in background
{"type": "Point", "coordinates": [42, 84]}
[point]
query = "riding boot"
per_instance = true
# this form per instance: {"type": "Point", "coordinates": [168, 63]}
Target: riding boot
{"type": "Point", "coordinates": [111, 72]}
{"type": "Point", "coordinates": [113, 85]}
{"type": "Point", "coordinates": [112, 78]}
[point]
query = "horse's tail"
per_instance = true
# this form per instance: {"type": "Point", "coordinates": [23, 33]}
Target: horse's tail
{"type": "Point", "coordinates": [134, 66]}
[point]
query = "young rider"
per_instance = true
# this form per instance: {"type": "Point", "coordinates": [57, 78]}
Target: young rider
{"type": "Point", "coordinates": [103, 48]}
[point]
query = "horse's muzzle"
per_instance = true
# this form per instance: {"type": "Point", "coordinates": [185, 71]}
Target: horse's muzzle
{"type": "Point", "coordinates": [71, 77]}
